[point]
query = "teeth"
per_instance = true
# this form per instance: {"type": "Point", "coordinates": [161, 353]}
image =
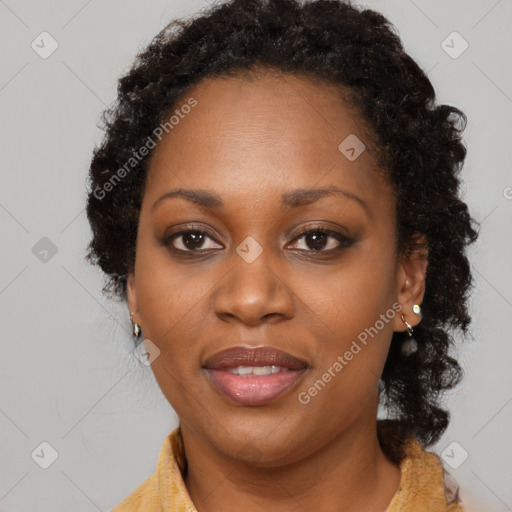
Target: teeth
{"type": "Point", "coordinates": [262, 370]}
{"type": "Point", "coordinates": [256, 370]}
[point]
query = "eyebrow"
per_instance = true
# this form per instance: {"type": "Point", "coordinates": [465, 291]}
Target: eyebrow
{"type": "Point", "coordinates": [292, 199]}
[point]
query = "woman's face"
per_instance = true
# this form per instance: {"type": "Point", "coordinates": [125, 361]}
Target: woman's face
{"type": "Point", "coordinates": [253, 279]}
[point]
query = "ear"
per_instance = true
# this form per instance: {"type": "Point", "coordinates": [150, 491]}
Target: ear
{"type": "Point", "coordinates": [131, 293]}
{"type": "Point", "coordinates": [411, 276]}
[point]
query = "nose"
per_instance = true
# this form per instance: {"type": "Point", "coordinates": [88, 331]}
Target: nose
{"type": "Point", "coordinates": [253, 294]}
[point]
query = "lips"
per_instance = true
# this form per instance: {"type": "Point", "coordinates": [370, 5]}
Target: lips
{"type": "Point", "coordinates": [260, 356]}
{"type": "Point", "coordinates": [253, 376]}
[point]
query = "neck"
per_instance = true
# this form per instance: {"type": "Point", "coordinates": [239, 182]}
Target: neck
{"type": "Point", "coordinates": [349, 473]}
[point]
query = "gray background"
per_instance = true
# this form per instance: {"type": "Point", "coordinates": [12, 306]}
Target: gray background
{"type": "Point", "coordinates": [68, 376]}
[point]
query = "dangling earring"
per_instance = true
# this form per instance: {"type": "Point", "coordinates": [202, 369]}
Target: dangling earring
{"type": "Point", "coordinates": [410, 345]}
{"type": "Point", "coordinates": [135, 327]}
{"type": "Point", "coordinates": [408, 325]}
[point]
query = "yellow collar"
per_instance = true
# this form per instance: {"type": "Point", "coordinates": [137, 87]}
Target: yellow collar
{"type": "Point", "coordinates": [425, 486]}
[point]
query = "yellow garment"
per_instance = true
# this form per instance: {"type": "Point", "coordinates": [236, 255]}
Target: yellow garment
{"type": "Point", "coordinates": [424, 485]}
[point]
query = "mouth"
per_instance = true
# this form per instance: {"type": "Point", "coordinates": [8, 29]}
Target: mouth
{"type": "Point", "coordinates": [254, 376]}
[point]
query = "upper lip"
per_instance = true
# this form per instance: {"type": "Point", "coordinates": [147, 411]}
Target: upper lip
{"type": "Point", "coordinates": [259, 356]}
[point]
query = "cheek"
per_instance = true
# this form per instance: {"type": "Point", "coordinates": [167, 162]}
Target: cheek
{"type": "Point", "coordinates": [354, 313]}
{"type": "Point", "coordinates": [170, 298]}
{"type": "Point", "coordinates": [171, 305]}
{"type": "Point", "coordinates": [351, 296]}
{"type": "Point", "coordinates": [166, 291]}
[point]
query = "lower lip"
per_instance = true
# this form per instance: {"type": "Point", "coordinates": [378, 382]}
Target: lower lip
{"type": "Point", "coordinates": [254, 390]}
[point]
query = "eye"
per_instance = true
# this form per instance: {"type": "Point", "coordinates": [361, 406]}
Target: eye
{"type": "Point", "coordinates": [319, 239]}
{"type": "Point", "coordinates": [190, 241]}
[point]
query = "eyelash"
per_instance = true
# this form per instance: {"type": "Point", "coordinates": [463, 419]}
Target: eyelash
{"type": "Point", "coordinates": [342, 239]}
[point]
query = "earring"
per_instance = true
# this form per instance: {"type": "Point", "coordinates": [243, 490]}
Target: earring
{"type": "Point", "coordinates": [410, 345]}
{"type": "Point", "coordinates": [408, 325]}
{"type": "Point", "coordinates": [416, 309]}
{"type": "Point", "coordinates": [135, 327]}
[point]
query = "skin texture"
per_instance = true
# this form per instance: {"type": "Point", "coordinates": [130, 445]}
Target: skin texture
{"type": "Point", "coordinates": [249, 141]}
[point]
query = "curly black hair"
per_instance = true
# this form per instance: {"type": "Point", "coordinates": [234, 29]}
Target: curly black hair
{"type": "Point", "coordinates": [418, 143]}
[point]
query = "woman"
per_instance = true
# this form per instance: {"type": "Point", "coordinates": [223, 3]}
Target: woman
{"type": "Point", "coordinates": [276, 198]}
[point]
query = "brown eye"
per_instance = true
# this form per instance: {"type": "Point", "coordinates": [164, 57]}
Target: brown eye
{"type": "Point", "coordinates": [322, 240]}
{"type": "Point", "coordinates": [190, 241]}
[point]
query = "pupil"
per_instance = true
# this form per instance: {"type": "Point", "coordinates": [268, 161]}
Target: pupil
{"type": "Point", "coordinates": [318, 240]}
{"type": "Point", "coordinates": [193, 239]}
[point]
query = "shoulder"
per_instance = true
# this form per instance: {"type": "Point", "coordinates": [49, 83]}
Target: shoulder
{"type": "Point", "coordinates": [164, 489]}
{"type": "Point", "coordinates": [144, 498]}
{"type": "Point", "coordinates": [425, 484]}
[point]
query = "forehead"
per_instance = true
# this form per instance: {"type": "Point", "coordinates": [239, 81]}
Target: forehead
{"type": "Point", "coordinates": [263, 133]}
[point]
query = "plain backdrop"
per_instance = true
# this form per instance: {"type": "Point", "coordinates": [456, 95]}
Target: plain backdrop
{"type": "Point", "coordinates": [68, 374]}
